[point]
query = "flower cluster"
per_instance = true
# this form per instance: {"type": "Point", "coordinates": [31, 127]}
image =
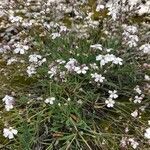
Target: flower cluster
{"type": "Point", "coordinates": [104, 59]}
{"type": "Point", "coordinates": [36, 61]}
{"type": "Point", "coordinates": [110, 101]}
{"type": "Point", "coordinates": [130, 37]}
{"type": "Point", "coordinates": [98, 77]}
{"type": "Point", "coordinates": [145, 48]}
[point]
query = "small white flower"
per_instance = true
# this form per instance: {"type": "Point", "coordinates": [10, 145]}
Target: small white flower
{"type": "Point", "coordinates": [31, 70]}
{"type": "Point", "coordinates": [99, 57]}
{"type": "Point", "coordinates": [131, 29]}
{"type": "Point", "coordinates": [138, 99]}
{"type": "Point", "coordinates": [110, 102]}
{"type": "Point", "coordinates": [134, 114]}
{"type": "Point", "coordinates": [147, 133]}
{"type": "Point", "coordinates": [117, 61]}
{"type": "Point", "coordinates": [50, 100]}
{"type": "Point", "coordinates": [133, 143]}
{"type": "Point", "coordinates": [113, 94]}
{"type": "Point", "coordinates": [19, 50]}
{"type": "Point", "coordinates": [81, 70]}
{"type": "Point", "coordinates": [147, 77]}
{"type": "Point", "coordinates": [63, 29]}
{"type": "Point", "coordinates": [9, 101]}
{"type": "Point", "coordinates": [104, 59]}
{"type": "Point", "coordinates": [137, 89]}
{"type": "Point", "coordinates": [142, 108]}
{"type": "Point", "coordinates": [71, 64]}
{"type": "Point", "coordinates": [9, 132]}
{"type": "Point", "coordinates": [94, 66]}
{"type": "Point", "coordinates": [97, 46]}
{"type": "Point", "coordinates": [55, 35]}
{"type": "Point", "coordinates": [109, 58]}
{"type": "Point", "coordinates": [98, 77]}
{"type": "Point", "coordinates": [11, 60]}
{"type": "Point", "coordinates": [34, 58]}
{"type": "Point", "coordinates": [99, 7]}
{"type": "Point", "coordinates": [7, 98]}
{"type": "Point", "coordinates": [133, 39]}
{"type": "Point", "coordinates": [123, 141]}
{"type": "Point", "coordinates": [53, 71]}
{"type": "Point", "coordinates": [113, 10]}
{"type": "Point", "coordinates": [40, 62]}
{"type": "Point", "coordinates": [145, 48]}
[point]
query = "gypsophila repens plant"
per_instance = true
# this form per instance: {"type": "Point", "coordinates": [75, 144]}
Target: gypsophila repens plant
{"type": "Point", "coordinates": [75, 75]}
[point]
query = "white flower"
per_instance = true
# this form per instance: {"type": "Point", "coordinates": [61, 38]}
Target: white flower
{"type": "Point", "coordinates": [7, 98]}
{"type": "Point", "coordinates": [34, 58]}
{"type": "Point", "coordinates": [50, 100]}
{"type": "Point", "coordinates": [145, 48]}
{"type": "Point", "coordinates": [81, 70]}
{"type": "Point", "coordinates": [132, 40]}
{"type": "Point", "coordinates": [53, 71]}
{"type": "Point", "coordinates": [9, 132]}
{"type": "Point", "coordinates": [113, 9]}
{"type": "Point", "coordinates": [9, 101]}
{"type": "Point", "coordinates": [94, 66]}
{"type": "Point", "coordinates": [123, 141]}
{"type": "Point", "coordinates": [31, 70]}
{"type": "Point", "coordinates": [99, 7]}
{"type": "Point", "coordinates": [147, 133]}
{"type": "Point", "coordinates": [113, 94]}
{"type": "Point", "coordinates": [137, 89]}
{"type": "Point", "coordinates": [133, 143]}
{"type": "Point", "coordinates": [104, 59]}
{"type": "Point", "coordinates": [117, 61]}
{"type": "Point", "coordinates": [134, 114]}
{"type": "Point", "coordinates": [147, 77]}
{"type": "Point", "coordinates": [20, 48]}
{"type": "Point", "coordinates": [97, 46]}
{"type": "Point", "coordinates": [63, 29]}
{"type": "Point", "coordinates": [129, 35]}
{"type": "Point", "coordinates": [99, 57]}
{"type": "Point", "coordinates": [110, 103]}
{"type": "Point", "coordinates": [131, 29]}
{"type": "Point", "coordinates": [98, 77]}
{"type": "Point", "coordinates": [142, 108]}
{"type": "Point", "coordinates": [40, 62]}
{"type": "Point", "coordinates": [11, 60]}
{"type": "Point", "coordinates": [71, 64]}
{"type": "Point", "coordinates": [138, 99]}
{"type": "Point", "coordinates": [109, 58]}
{"type": "Point", "coordinates": [55, 35]}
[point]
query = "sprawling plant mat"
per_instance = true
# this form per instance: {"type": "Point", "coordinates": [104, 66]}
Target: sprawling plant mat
{"type": "Point", "coordinates": [74, 75]}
